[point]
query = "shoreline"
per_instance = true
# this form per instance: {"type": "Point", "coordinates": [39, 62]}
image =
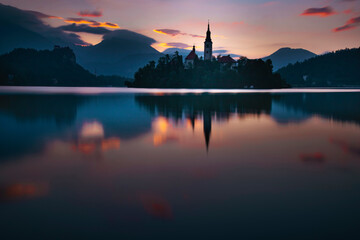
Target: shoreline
{"type": "Point", "coordinates": [125, 90]}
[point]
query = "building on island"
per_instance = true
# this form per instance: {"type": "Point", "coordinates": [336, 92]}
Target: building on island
{"type": "Point", "coordinates": [208, 51]}
{"type": "Point", "coordinates": [189, 60]}
{"type": "Point", "coordinates": [227, 61]}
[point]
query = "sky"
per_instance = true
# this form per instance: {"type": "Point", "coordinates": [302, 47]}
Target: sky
{"type": "Point", "coordinates": [251, 28]}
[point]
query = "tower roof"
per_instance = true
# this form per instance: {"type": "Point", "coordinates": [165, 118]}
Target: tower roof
{"type": "Point", "coordinates": [192, 55]}
{"type": "Point", "coordinates": [208, 34]}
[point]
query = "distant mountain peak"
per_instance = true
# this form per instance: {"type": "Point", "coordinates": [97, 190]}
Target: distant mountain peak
{"type": "Point", "coordinates": [287, 55]}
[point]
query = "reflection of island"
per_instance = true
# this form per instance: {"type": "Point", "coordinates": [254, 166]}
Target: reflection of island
{"type": "Point", "coordinates": [29, 121]}
{"type": "Point", "coordinates": [27, 107]}
{"type": "Point", "coordinates": [207, 107]}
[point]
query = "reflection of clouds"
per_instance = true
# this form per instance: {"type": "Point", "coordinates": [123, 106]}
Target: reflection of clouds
{"type": "Point", "coordinates": [92, 139]}
{"type": "Point", "coordinates": [345, 146]}
{"type": "Point", "coordinates": [163, 132]}
{"type": "Point", "coordinates": [157, 206]}
{"type": "Point", "coordinates": [312, 157]}
{"type": "Point", "coordinates": [92, 130]}
{"type": "Point", "coordinates": [21, 191]}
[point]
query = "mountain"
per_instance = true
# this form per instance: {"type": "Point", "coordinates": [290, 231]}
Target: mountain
{"type": "Point", "coordinates": [121, 52]}
{"type": "Point", "coordinates": [335, 69]}
{"type": "Point", "coordinates": [15, 36]}
{"type": "Point", "coordinates": [285, 56]}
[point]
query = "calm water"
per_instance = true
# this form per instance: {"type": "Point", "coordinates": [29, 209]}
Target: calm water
{"type": "Point", "coordinates": [120, 165]}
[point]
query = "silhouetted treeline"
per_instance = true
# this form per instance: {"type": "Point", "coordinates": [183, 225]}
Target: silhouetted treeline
{"type": "Point", "coordinates": [169, 72]}
{"type": "Point", "coordinates": [335, 69]}
{"type": "Point", "coordinates": [29, 67]}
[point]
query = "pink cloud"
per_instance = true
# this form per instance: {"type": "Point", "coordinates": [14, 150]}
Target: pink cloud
{"type": "Point", "coordinates": [350, 24]}
{"type": "Point", "coordinates": [321, 12]}
{"type": "Point", "coordinates": [174, 32]}
{"type": "Point", "coordinates": [95, 13]}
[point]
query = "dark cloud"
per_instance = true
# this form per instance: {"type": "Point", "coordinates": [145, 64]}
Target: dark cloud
{"type": "Point", "coordinates": [84, 28]}
{"type": "Point", "coordinates": [128, 35]}
{"type": "Point", "coordinates": [41, 15]}
{"type": "Point", "coordinates": [322, 12]}
{"type": "Point", "coordinates": [31, 20]}
{"type": "Point", "coordinates": [350, 24]}
{"type": "Point", "coordinates": [86, 13]}
{"type": "Point", "coordinates": [174, 32]}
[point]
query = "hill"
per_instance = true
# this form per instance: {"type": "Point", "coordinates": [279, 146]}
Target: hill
{"type": "Point", "coordinates": [285, 56]}
{"type": "Point", "coordinates": [30, 67]}
{"type": "Point", "coordinates": [335, 69]}
{"type": "Point", "coordinates": [121, 52]}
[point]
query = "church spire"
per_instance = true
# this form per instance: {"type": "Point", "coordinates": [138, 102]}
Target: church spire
{"type": "Point", "coordinates": [208, 33]}
{"type": "Point", "coordinates": [208, 44]}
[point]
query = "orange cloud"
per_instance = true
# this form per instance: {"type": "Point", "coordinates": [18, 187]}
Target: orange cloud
{"type": "Point", "coordinates": [95, 13]}
{"type": "Point", "coordinates": [91, 23]}
{"type": "Point", "coordinates": [321, 12]}
{"type": "Point", "coordinates": [350, 24]}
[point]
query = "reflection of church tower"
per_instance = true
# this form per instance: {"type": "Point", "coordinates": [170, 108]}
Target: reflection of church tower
{"type": "Point", "coordinates": [208, 45]}
{"type": "Point", "coordinates": [207, 128]}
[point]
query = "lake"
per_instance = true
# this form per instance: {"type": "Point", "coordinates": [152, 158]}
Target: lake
{"type": "Point", "coordinates": [107, 163]}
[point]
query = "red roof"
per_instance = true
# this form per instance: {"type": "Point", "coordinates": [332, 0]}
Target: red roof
{"type": "Point", "coordinates": [192, 55]}
{"type": "Point", "coordinates": [226, 59]}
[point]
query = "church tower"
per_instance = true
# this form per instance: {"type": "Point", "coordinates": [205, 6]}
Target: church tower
{"type": "Point", "coordinates": [208, 45]}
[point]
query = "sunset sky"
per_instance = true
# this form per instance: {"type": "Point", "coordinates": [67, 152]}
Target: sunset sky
{"type": "Point", "coordinates": [253, 28]}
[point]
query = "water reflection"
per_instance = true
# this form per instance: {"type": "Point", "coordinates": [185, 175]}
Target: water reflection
{"type": "Point", "coordinates": [289, 160]}
{"type": "Point", "coordinates": [182, 108]}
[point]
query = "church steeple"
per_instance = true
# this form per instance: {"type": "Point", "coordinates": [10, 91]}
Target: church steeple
{"type": "Point", "coordinates": [208, 44]}
{"type": "Point", "coordinates": [208, 33]}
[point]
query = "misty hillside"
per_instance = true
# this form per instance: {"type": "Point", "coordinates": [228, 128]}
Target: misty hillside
{"type": "Point", "coordinates": [335, 69]}
{"type": "Point", "coordinates": [285, 56]}
{"type": "Point", "coordinates": [122, 52]}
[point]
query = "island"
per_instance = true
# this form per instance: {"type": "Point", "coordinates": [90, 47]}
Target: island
{"type": "Point", "coordinates": [208, 72]}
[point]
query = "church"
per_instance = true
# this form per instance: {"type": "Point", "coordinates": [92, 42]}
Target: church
{"type": "Point", "coordinates": [208, 53]}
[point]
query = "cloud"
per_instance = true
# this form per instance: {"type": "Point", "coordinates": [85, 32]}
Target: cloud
{"type": "Point", "coordinates": [84, 29]}
{"type": "Point", "coordinates": [32, 20]}
{"type": "Point", "coordinates": [86, 13]}
{"type": "Point", "coordinates": [173, 33]}
{"type": "Point", "coordinates": [175, 45]}
{"type": "Point", "coordinates": [40, 15]}
{"type": "Point", "coordinates": [350, 24]}
{"type": "Point", "coordinates": [321, 12]}
{"type": "Point", "coordinates": [91, 23]}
